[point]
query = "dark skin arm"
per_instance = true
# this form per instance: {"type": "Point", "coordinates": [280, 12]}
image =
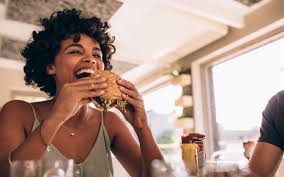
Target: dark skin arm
{"type": "Point", "coordinates": [5, 145]}
{"type": "Point", "coordinates": [127, 150]}
{"type": "Point", "coordinates": [12, 135]}
{"type": "Point", "coordinates": [135, 114]}
{"type": "Point", "coordinates": [265, 160]}
{"type": "Point", "coordinates": [124, 146]}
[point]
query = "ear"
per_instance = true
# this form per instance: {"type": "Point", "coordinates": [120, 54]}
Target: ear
{"type": "Point", "coordinates": [50, 69]}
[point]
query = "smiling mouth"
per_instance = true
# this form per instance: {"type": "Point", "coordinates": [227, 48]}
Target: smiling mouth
{"type": "Point", "coordinates": [84, 73]}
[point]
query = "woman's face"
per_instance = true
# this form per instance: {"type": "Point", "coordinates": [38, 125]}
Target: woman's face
{"type": "Point", "coordinates": [75, 57]}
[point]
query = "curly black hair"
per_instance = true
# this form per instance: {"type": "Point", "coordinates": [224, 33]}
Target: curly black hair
{"type": "Point", "coordinates": [41, 50]}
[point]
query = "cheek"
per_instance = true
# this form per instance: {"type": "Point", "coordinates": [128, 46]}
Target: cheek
{"type": "Point", "coordinates": [65, 65]}
{"type": "Point", "coordinates": [68, 66]}
{"type": "Point", "coordinates": [101, 65]}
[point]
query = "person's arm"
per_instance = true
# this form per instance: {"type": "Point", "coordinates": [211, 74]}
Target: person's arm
{"type": "Point", "coordinates": [134, 158]}
{"type": "Point", "coordinates": [136, 115]}
{"type": "Point", "coordinates": [12, 133]}
{"type": "Point", "coordinates": [124, 145]}
{"type": "Point", "coordinates": [265, 159]}
{"type": "Point", "coordinates": [267, 154]}
{"type": "Point", "coordinates": [149, 149]}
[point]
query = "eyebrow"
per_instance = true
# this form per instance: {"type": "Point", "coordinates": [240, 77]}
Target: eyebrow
{"type": "Point", "coordinates": [80, 46]}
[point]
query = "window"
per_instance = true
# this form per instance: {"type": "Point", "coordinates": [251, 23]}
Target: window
{"type": "Point", "coordinates": [242, 86]}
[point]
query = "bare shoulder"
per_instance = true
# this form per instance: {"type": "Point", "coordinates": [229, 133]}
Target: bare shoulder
{"type": "Point", "coordinates": [111, 116]}
{"type": "Point", "coordinates": [16, 111]}
{"type": "Point", "coordinates": [112, 120]}
{"type": "Point", "coordinates": [15, 107]}
{"type": "Point", "coordinates": [114, 124]}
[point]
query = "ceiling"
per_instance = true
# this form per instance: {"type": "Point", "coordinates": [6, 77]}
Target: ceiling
{"type": "Point", "coordinates": [151, 35]}
{"type": "Point", "coordinates": [160, 32]}
{"type": "Point", "coordinates": [19, 19]}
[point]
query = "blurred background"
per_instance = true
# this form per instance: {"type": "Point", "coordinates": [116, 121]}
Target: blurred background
{"type": "Point", "coordinates": [207, 66]}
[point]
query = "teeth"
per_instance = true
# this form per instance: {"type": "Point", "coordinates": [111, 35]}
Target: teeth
{"type": "Point", "coordinates": [85, 71]}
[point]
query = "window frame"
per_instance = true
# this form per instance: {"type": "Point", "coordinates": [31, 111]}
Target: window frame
{"type": "Point", "coordinates": [203, 94]}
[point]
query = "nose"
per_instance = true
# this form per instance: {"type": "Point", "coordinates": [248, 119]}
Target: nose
{"type": "Point", "coordinates": [90, 59]}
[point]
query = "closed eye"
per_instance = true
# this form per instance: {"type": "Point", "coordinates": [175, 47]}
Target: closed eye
{"type": "Point", "coordinates": [97, 56]}
{"type": "Point", "coordinates": [77, 52]}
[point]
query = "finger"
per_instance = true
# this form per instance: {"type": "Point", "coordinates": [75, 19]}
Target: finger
{"type": "Point", "coordinates": [90, 80]}
{"type": "Point", "coordinates": [88, 93]}
{"type": "Point", "coordinates": [126, 84]}
{"type": "Point", "coordinates": [132, 101]}
{"type": "Point", "coordinates": [130, 93]}
{"type": "Point", "coordinates": [91, 86]}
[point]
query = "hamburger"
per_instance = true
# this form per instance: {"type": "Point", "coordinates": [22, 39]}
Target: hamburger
{"type": "Point", "coordinates": [112, 96]}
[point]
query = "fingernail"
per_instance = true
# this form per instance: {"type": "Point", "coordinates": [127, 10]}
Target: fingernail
{"type": "Point", "coordinates": [119, 81]}
{"type": "Point", "coordinates": [102, 91]}
{"type": "Point", "coordinates": [104, 85]}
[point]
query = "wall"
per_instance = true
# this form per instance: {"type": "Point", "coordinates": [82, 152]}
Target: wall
{"type": "Point", "coordinates": [13, 80]}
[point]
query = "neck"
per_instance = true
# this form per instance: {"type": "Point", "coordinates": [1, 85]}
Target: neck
{"type": "Point", "coordinates": [81, 119]}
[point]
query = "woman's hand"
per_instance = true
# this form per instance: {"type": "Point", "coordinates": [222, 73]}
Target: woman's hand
{"type": "Point", "coordinates": [73, 96]}
{"type": "Point", "coordinates": [135, 111]}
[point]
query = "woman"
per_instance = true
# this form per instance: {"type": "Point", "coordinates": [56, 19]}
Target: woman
{"type": "Point", "coordinates": [65, 127]}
